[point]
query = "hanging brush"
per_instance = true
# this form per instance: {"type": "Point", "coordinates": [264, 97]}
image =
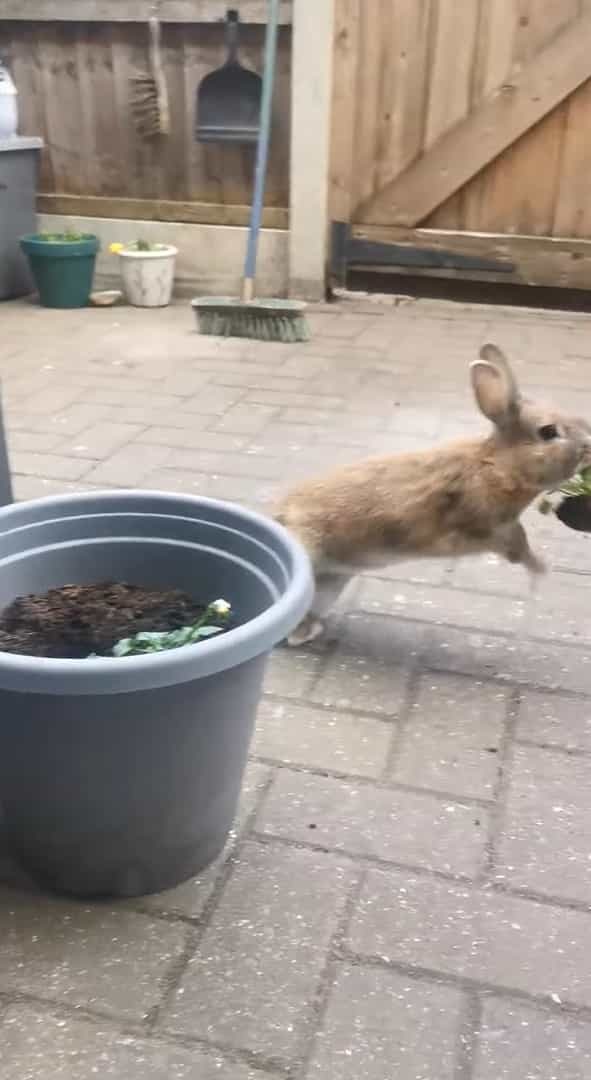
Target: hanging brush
{"type": "Point", "coordinates": [149, 92]}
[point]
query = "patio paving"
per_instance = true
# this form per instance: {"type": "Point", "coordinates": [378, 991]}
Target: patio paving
{"type": "Point", "coordinates": [407, 892]}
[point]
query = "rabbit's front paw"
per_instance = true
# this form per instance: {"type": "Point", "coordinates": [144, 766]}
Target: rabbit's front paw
{"type": "Point", "coordinates": [308, 630]}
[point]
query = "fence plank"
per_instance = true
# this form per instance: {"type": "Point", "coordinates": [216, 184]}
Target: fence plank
{"type": "Point", "coordinates": [450, 84]}
{"type": "Point", "coordinates": [572, 216]}
{"type": "Point", "coordinates": [538, 260]}
{"type": "Point", "coordinates": [345, 88]}
{"type": "Point", "coordinates": [195, 213]}
{"type": "Point", "coordinates": [179, 11]}
{"type": "Point", "coordinates": [502, 118]}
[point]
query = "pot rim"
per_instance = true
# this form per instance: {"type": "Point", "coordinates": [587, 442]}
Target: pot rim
{"type": "Point", "coordinates": [107, 675]}
{"type": "Point", "coordinates": [166, 251]}
{"type": "Point", "coordinates": [38, 238]}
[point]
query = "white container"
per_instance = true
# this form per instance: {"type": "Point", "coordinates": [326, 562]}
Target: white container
{"type": "Point", "coordinates": [8, 105]}
{"type": "Point", "coordinates": [148, 276]}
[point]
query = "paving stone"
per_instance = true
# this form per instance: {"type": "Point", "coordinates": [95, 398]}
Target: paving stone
{"type": "Point", "coordinates": [190, 898]}
{"type": "Point", "coordinates": [298, 399]}
{"type": "Point", "coordinates": [37, 1045]}
{"type": "Point", "coordinates": [380, 1025]}
{"type": "Point", "coordinates": [95, 957]}
{"type": "Point", "coordinates": [33, 441]}
{"type": "Point", "coordinates": [245, 419]}
{"type": "Point", "coordinates": [295, 435]}
{"type": "Point", "coordinates": [418, 572]}
{"type": "Point", "coordinates": [370, 667]}
{"type": "Point", "coordinates": [517, 1042]}
{"type": "Point", "coordinates": [213, 400]}
{"type": "Point", "coordinates": [37, 487]}
{"type": "Point", "coordinates": [540, 664]}
{"type": "Point", "coordinates": [299, 734]}
{"type": "Point", "coordinates": [101, 439]}
{"type": "Point", "coordinates": [412, 420]}
{"type": "Point", "coordinates": [458, 930]}
{"type": "Point", "coordinates": [448, 606]}
{"type": "Point", "coordinates": [545, 843]}
{"type": "Point", "coordinates": [184, 435]}
{"type": "Point", "coordinates": [562, 548]}
{"type": "Point", "coordinates": [346, 326]}
{"type": "Point", "coordinates": [562, 610]}
{"type": "Point", "coordinates": [181, 481]}
{"type": "Point", "coordinates": [193, 384]}
{"type": "Point", "coordinates": [398, 826]}
{"type": "Point", "coordinates": [555, 720]}
{"type": "Point", "coordinates": [451, 738]}
{"type": "Point", "coordinates": [304, 459]}
{"type": "Point", "coordinates": [334, 419]}
{"type": "Point", "coordinates": [491, 574]}
{"type": "Point", "coordinates": [249, 380]}
{"type": "Point", "coordinates": [69, 421]}
{"type": "Point", "coordinates": [129, 465]}
{"type": "Point", "coordinates": [258, 494]}
{"type": "Point", "coordinates": [51, 398]}
{"type": "Point", "coordinates": [122, 397]}
{"type": "Point", "coordinates": [291, 672]}
{"type": "Point", "coordinates": [227, 463]}
{"type": "Point", "coordinates": [253, 980]}
{"type": "Point", "coordinates": [53, 466]}
{"type": "Point", "coordinates": [391, 442]}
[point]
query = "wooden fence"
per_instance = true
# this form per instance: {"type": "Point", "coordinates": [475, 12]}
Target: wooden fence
{"type": "Point", "coordinates": [465, 128]}
{"type": "Point", "coordinates": [74, 88]}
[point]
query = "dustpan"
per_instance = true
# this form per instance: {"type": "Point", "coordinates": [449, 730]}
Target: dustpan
{"type": "Point", "coordinates": [229, 99]}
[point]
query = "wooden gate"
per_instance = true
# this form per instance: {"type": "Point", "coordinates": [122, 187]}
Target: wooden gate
{"type": "Point", "coordinates": [461, 139]}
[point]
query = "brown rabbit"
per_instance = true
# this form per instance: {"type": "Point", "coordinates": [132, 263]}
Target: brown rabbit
{"type": "Point", "coordinates": [462, 498]}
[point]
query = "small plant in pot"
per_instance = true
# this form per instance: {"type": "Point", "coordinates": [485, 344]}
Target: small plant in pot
{"type": "Point", "coordinates": [147, 271]}
{"type": "Point", "coordinates": [572, 502]}
{"type": "Point", "coordinates": [120, 772]}
{"type": "Point", "coordinates": [62, 265]}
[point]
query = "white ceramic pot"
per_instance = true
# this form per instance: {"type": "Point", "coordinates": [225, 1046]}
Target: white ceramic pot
{"type": "Point", "coordinates": [148, 276]}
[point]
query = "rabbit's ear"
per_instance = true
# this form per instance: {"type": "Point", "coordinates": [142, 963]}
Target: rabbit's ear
{"type": "Point", "coordinates": [494, 386]}
{"type": "Point", "coordinates": [493, 355]}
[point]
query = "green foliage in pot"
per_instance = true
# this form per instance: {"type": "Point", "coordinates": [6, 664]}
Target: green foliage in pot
{"type": "Point", "coordinates": [63, 237]}
{"type": "Point", "coordinates": [213, 621]}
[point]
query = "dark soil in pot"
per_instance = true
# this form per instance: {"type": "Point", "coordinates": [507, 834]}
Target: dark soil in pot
{"type": "Point", "coordinates": [75, 620]}
{"type": "Point", "coordinates": [575, 511]}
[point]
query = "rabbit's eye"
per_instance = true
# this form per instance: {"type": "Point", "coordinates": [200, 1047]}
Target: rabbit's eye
{"type": "Point", "coordinates": [548, 432]}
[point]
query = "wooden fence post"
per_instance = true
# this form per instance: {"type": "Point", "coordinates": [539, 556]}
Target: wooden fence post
{"type": "Point", "coordinates": [312, 53]}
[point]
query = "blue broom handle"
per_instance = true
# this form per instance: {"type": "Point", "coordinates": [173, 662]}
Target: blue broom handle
{"type": "Point", "coordinates": [256, 212]}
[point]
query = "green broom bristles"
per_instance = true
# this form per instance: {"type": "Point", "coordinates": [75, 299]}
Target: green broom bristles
{"type": "Point", "coordinates": [265, 320]}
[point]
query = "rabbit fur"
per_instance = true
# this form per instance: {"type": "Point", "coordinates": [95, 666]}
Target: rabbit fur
{"type": "Point", "coordinates": [461, 498]}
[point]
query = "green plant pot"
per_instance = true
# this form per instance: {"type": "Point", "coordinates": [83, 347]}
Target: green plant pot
{"type": "Point", "coordinates": [62, 270]}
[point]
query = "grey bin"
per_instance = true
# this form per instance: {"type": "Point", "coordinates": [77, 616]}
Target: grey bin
{"type": "Point", "coordinates": [121, 777]}
{"type": "Point", "coordinates": [19, 161]}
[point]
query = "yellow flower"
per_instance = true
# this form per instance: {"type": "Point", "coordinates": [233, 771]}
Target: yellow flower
{"type": "Point", "coordinates": [115, 248]}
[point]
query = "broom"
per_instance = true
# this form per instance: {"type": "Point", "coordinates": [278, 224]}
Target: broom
{"type": "Point", "coordinates": [267, 320]}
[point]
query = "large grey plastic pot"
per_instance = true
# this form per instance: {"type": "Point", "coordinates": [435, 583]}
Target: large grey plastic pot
{"type": "Point", "coordinates": [121, 777]}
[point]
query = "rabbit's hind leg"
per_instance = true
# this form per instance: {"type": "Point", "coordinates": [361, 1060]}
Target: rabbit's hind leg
{"type": "Point", "coordinates": [329, 587]}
